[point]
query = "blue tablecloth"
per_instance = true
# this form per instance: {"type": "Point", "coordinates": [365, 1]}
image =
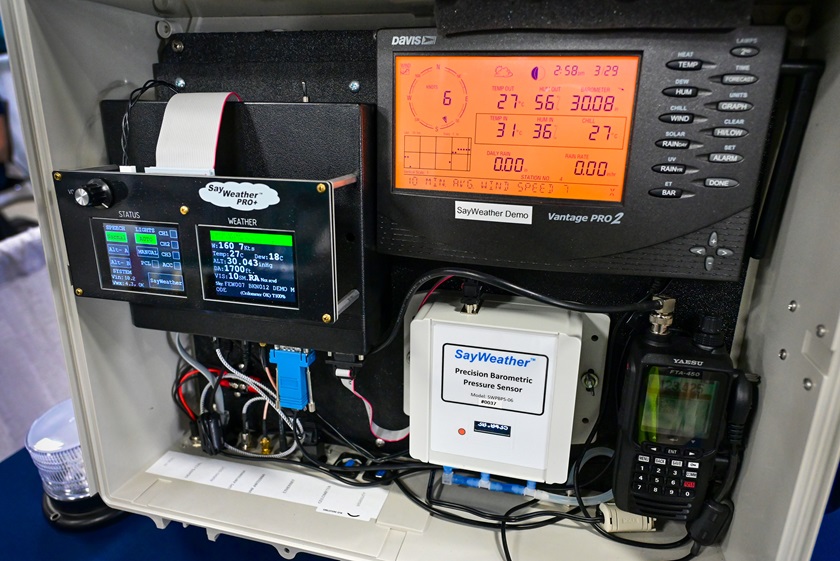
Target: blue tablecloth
{"type": "Point", "coordinates": [25, 534]}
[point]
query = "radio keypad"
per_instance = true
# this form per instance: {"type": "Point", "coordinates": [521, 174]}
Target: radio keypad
{"type": "Point", "coordinates": [671, 476]}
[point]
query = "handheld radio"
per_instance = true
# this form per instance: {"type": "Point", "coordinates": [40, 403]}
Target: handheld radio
{"type": "Point", "coordinates": [672, 418]}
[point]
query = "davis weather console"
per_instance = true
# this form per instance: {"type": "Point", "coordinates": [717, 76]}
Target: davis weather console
{"type": "Point", "coordinates": [637, 154]}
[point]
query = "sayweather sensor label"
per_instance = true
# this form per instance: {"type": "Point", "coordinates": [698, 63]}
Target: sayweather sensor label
{"type": "Point", "coordinates": [494, 378]}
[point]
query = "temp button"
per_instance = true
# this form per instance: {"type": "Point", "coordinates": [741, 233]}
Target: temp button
{"type": "Point", "coordinates": [685, 64]}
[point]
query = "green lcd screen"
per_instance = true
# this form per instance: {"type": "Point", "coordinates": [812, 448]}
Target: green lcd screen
{"type": "Point", "coordinates": [677, 409]}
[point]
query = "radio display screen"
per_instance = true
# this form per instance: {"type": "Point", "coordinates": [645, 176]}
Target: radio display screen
{"type": "Point", "coordinates": [555, 127]}
{"type": "Point", "coordinates": [248, 266]}
{"type": "Point", "coordinates": [677, 409]}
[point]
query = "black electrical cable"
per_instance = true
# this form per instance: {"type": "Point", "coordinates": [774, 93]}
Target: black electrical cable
{"type": "Point", "coordinates": [133, 98]}
{"type": "Point", "coordinates": [508, 286]}
{"type": "Point", "coordinates": [503, 531]}
{"type": "Point", "coordinates": [695, 551]}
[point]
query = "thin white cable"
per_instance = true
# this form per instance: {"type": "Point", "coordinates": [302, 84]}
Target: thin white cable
{"type": "Point", "coordinates": [387, 435]}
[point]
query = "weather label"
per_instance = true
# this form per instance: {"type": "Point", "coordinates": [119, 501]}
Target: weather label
{"type": "Point", "coordinates": [142, 257]}
{"type": "Point", "coordinates": [249, 266]}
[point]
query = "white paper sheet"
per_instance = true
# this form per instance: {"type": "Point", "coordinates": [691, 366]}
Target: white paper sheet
{"type": "Point", "coordinates": [326, 496]}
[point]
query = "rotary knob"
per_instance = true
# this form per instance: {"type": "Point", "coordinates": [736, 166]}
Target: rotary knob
{"type": "Point", "coordinates": [94, 193]}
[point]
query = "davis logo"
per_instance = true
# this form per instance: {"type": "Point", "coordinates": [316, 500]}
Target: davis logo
{"type": "Point", "coordinates": [239, 196]}
{"type": "Point", "coordinates": [413, 40]}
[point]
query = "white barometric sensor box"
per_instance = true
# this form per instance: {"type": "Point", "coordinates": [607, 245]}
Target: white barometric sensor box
{"type": "Point", "coordinates": [496, 391]}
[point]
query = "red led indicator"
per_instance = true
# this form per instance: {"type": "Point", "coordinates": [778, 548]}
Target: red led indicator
{"type": "Point", "coordinates": [462, 432]}
{"type": "Point", "coordinates": [688, 484]}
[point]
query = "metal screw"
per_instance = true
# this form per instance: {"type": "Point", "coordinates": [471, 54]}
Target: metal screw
{"type": "Point", "coordinates": [821, 330]}
{"type": "Point", "coordinates": [57, 176]}
{"type": "Point", "coordinates": [185, 210]}
{"type": "Point", "coordinates": [792, 306]}
{"type": "Point", "coordinates": [590, 381]}
{"type": "Point", "coordinates": [783, 354]}
{"type": "Point", "coordinates": [177, 45]}
{"type": "Point", "coordinates": [354, 86]}
{"type": "Point", "coordinates": [180, 83]}
{"type": "Point", "coordinates": [380, 443]}
{"type": "Point", "coordinates": [808, 384]}
{"type": "Point", "coordinates": [321, 187]}
{"type": "Point", "coordinates": [79, 291]}
{"type": "Point", "coordinates": [326, 318]}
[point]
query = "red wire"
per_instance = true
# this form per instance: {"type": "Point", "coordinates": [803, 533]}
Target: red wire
{"type": "Point", "coordinates": [186, 376]}
{"type": "Point", "coordinates": [435, 287]}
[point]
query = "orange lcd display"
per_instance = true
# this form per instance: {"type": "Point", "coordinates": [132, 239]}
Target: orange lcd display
{"type": "Point", "coordinates": [554, 127]}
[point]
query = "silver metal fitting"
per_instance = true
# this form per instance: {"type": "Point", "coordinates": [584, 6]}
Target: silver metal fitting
{"type": "Point", "coordinates": [661, 319]}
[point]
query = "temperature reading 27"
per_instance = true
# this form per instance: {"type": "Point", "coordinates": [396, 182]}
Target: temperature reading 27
{"type": "Point", "coordinates": [600, 131]}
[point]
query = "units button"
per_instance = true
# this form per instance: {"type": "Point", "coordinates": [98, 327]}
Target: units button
{"type": "Point", "coordinates": [738, 79]}
{"type": "Point", "coordinates": [677, 118]}
{"type": "Point", "coordinates": [729, 132]}
{"type": "Point", "coordinates": [720, 182]}
{"type": "Point", "coordinates": [666, 193]}
{"type": "Point", "coordinates": [685, 64]}
{"type": "Point", "coordinates": [744, 52]}
{"type": "Point", "coordinates": [725, 157]}
{"type": "Point", "coordinates": [733, 106]}
{"type": "Point", "coordinates": [681, 91]}
{"type": "Point", "coordinates": [673, 143]}
{"type": "Point", "coordinates": [669, 168]}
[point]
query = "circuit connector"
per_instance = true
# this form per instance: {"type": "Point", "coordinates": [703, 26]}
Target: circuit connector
{"type": "Point", "coordinates": [617, 520]}
{"type": "Point", "coordinates": [292, 366]}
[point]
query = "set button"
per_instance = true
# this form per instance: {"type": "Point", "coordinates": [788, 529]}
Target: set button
{"type": "Point", "coordinates": [685, 64]}
{"type": "Point", "coordinates": [725, 158]}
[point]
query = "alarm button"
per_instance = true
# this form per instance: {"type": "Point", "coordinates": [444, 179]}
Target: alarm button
{"type": "Point", "coordinates": [725, 158]}
{"type": "Point", "coordinates": [685, 64]}
{"type": "Point", "coordinates": [681, 91]}
{"type": "Point", "coordinates": [666, 193]}
{"type": "Point", "coordinates": [677, 118]}
{"type": "Point", "coordinates": [744, 52]}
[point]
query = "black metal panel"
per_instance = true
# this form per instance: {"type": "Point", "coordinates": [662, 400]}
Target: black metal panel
{"type": "Point", "coordinates": [270, 66]}
{"type": "Point", "coordinates": [333, 227]}
{"type": "Point", "coordinates": [464, 16]}
{"type": "Point", "coordinates": [642, 232]}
